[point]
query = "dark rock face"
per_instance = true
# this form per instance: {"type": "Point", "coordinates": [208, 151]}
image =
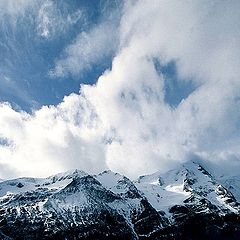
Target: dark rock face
{"type": "Point", "coordinates": [147, 221]}
{"type": "Point", "coordinates": [201, 226]}
{"type": "Point", "coordinates": [97, 225]}
{"type": "Point", "coordinates": [110, 206]}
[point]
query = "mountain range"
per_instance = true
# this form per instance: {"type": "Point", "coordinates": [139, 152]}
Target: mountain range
{"type": "Point", "coordinates": [185, 203]}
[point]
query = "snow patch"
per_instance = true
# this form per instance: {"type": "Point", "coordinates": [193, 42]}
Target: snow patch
{"type": "Point", "coordinates": [177, 189]}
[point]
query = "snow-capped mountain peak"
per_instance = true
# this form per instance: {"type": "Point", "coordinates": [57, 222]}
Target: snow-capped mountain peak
{"type": "Point", "coordinates": [76, 205]}
{"type": "Point", "coordinates": [187, 182]}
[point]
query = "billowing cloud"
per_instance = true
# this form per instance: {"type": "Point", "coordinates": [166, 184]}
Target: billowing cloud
{"type": "Point", "coordinates": [50, 140]}
{"type": "Point", "coordinates": [123, 121]}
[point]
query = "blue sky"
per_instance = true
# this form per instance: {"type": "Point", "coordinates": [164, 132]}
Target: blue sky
{"type": "Point", "coordinates": [27, 56]}
{"type": "Point", "coordinates": [132, 86]}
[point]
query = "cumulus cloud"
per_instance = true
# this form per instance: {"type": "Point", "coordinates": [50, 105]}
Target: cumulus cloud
{"type": "Point", "coordinates": [50, 140]}
{"type": "Point", "coordinates": [123, 122]}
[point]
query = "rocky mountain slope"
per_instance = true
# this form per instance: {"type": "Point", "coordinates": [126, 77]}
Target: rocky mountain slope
{"type": "Point", "coordinates": [185, 203]}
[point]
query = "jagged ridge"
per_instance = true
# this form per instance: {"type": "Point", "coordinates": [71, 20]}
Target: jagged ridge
{"type": "Point", "coordinates": [185, 203]}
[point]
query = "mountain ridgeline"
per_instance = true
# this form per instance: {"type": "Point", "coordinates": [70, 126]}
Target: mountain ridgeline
{"type": "Point", "coordinates": [186, 203]}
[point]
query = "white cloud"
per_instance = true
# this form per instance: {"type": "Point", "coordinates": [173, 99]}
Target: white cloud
{"type": "Point", "coordinates": [50, 140]}
{"type": "Point", "coordinates": [51, 21]}
{"type": "Point", "coordinates": [89, 48]}
{"type": "Point", "coordinates": [46, 14]}
{"type": "Point", "coordinates": [123, 122]}
{"type": "Point", "coordinates": [13, 7]}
